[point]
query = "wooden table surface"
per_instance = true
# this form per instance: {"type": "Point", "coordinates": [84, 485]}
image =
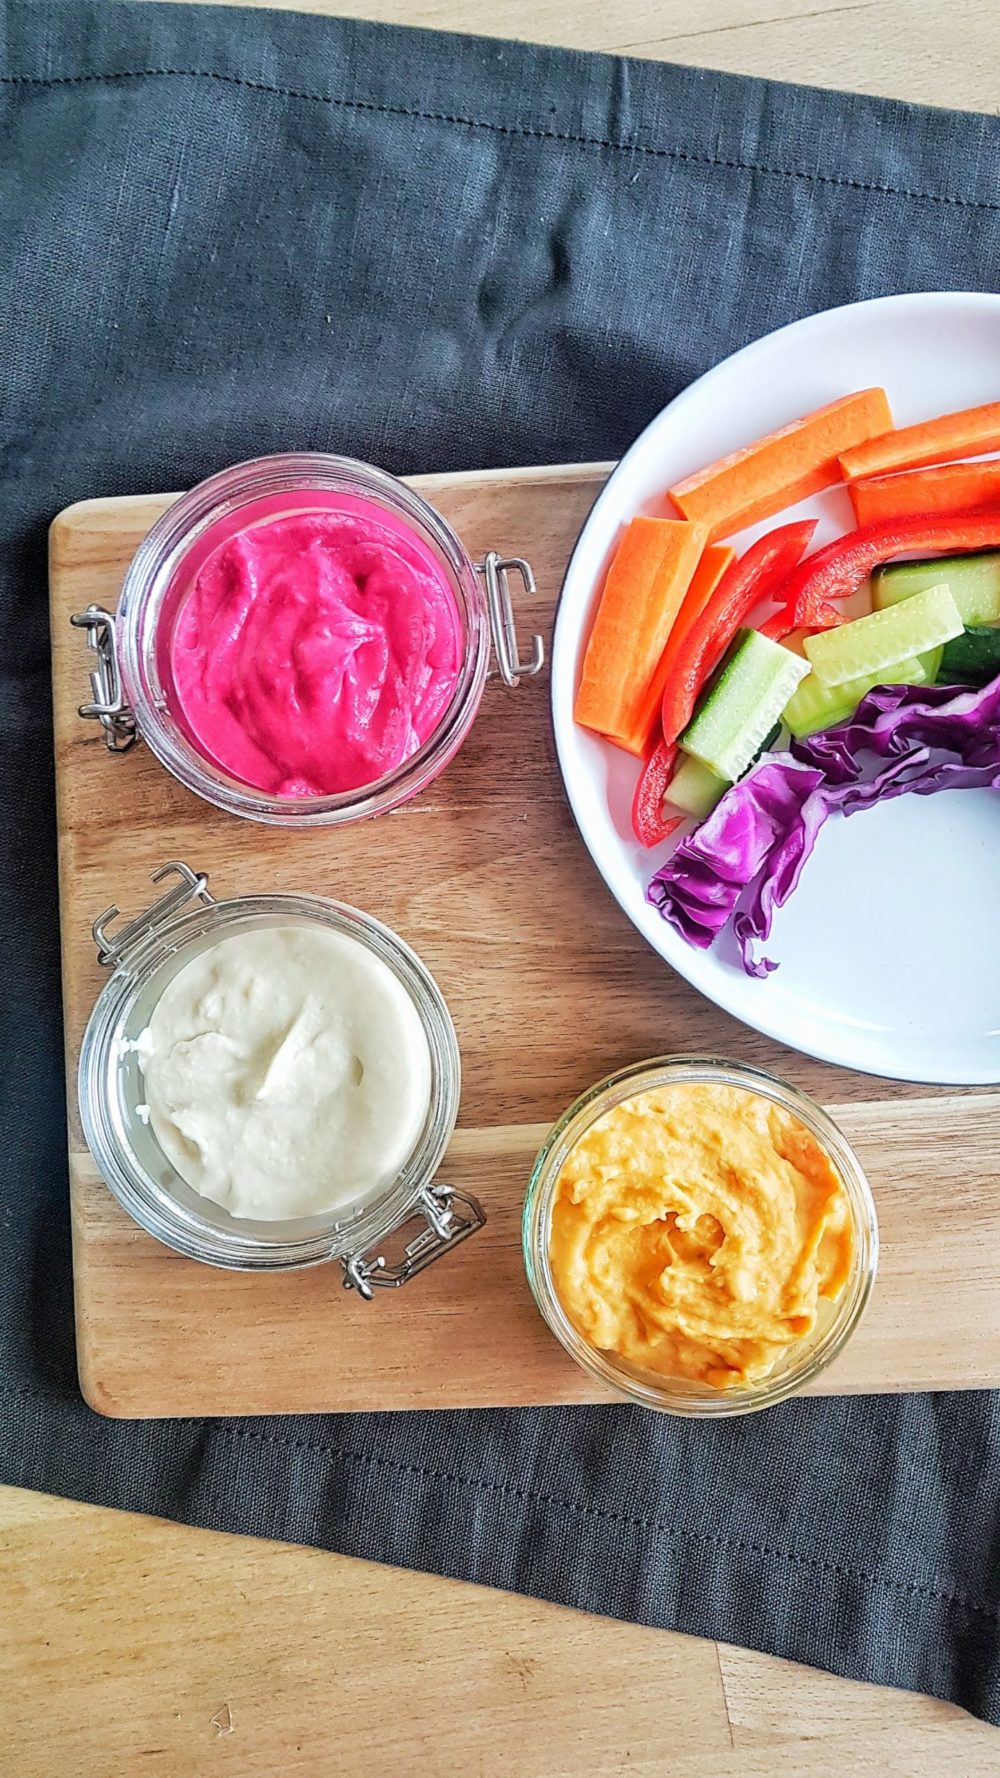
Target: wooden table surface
{"type": "Point", "coordinates": [128, 1645]}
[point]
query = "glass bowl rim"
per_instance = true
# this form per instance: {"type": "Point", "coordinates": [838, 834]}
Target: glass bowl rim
{"type": "Point", "coordinates": [646, 1389]}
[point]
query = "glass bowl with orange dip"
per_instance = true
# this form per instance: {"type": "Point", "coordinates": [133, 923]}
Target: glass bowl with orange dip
{"type": "Point", "coordinates": [700, 1236]}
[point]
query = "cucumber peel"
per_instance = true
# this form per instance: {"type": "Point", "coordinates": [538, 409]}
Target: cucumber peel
{"type": "Point", "coordinates": [973, 581]}
{"type": "Point", "coordinates": [972, 658]}
{"type": "Point", "coordinates": [695, 788]}
{"type": "Point", "coordinates": [741, 705]}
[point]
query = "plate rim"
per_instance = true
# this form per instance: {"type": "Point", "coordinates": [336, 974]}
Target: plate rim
{"type": "Point", "coordinates": [685, 963]}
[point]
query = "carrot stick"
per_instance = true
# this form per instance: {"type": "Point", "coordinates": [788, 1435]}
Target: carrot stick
{"type": "Point", "coordinates": [646, 582]}
{"type": "Point", "coordinates": [707, 576]}
{"type": "Point", "coordinates": [968, 433]}
{"type": "Point", "coordinates": [786, 466]}
{"type": "Point", "coordinates": [955, 487]}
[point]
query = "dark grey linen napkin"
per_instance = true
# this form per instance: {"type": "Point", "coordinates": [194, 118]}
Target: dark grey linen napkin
{"type": "Point", "coordinates": [223, 233]}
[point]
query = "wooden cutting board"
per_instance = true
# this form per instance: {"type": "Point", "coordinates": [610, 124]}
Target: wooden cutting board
{"type": "Point", "coordinates": [550, 988]}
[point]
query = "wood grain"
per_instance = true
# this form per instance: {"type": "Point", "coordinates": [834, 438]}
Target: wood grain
{"type": "Point", "coordinates": [905, 49]}
{"type": "Point", "coordinates": [550, 988]}
{"type": "Point", "coordinates": [135, 1646]}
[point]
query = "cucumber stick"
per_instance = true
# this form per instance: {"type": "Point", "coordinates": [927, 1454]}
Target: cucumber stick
{"type": "Point", "coordinates": [973, 581]}
{"type": "Point", "coordinates": [695, 788]}
{"type": "Point", "coordinates": [971, 659]}
{"type": "Point", "coordinates": [873, 644]}
{"type": "Point", "coordinates": [768, 742]}
{"type": "Point", "coordinates": [814, 706]}
{"type": "Point", "coordinates": [742, 703]}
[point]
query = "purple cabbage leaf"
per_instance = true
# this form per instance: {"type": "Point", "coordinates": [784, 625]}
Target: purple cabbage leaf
{"type": "Point", "coordinates": [746, 858]}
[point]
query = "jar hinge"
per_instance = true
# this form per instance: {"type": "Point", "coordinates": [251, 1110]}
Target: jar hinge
{"type": "Point", "coordinates": [193, 886]}
{"type": "Point", "coordinates": [495, 571]}
{"type": "Point", "coordinates": [107, 703]}
{"type": "Point", "coordinates": [449, 1217]}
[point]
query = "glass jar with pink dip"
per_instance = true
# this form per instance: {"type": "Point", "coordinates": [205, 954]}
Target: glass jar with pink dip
{"type": "Point", "coordinates": [303, 640]}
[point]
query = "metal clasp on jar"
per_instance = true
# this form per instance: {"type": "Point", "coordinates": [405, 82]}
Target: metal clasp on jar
{"type": "Point", "coordinates": [107, 703]}
{"type": "Point", "coordinates": [449, 1217]}
{"type": "Point", "coordinates": [437, 1218]}
{"type": "Point", "coordinates": [495, 571]}
{"type": "Point", "coordinates": [113, 948]}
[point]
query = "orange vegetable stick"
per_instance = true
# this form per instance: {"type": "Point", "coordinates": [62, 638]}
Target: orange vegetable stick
{"type": "Point", "coordinates": [954, 488]}
{"type": "Point", "coordinates": [786, 466]}
{"type": "Point", "coordinates": [707, 576]}
{"type": "Point", "coordinates": [966, 434]}
{"type": "Point", "coordinates": [648, 577]}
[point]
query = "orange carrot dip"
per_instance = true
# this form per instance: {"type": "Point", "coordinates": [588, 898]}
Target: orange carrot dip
{"type": "Point", "coordinates": [696, 1229]}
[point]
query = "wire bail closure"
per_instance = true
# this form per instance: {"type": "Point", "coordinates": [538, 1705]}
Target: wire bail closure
{"type": "Point", "coordinates": [496, 571]}
{"type": "Point", "coordinates": [192, 886]}
{"type": "Point", "coordinates": [107, 703]}
{"type": "Point", "coordinates": [437, 1218]}
{"type": "Point", "coordinates": [449, 1218]}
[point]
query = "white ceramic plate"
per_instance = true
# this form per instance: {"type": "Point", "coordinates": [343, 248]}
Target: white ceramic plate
{"type": "Point", "coordinates": [889, 950]}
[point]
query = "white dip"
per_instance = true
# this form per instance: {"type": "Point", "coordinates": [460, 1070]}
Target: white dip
{"type": "Point", "coordinates": [287, 1072]}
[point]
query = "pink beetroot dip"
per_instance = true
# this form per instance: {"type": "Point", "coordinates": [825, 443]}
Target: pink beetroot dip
{"type": "Point", "coordinates": [315, 653]}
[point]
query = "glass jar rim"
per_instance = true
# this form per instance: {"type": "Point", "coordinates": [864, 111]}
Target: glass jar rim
{"type": "Point", "coordinates": [668, 1395]}
{"type": "Point", "coordinates": [179, 530]}
{"type": "Point", "coordinates": [214, 1237]}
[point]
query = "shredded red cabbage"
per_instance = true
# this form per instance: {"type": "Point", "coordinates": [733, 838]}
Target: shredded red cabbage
{"type": "Point", "coordinates": [745, 860]}
{"type": "Point", "coordinates": [893, 718]}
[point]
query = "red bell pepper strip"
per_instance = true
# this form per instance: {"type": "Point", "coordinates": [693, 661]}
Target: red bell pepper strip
{"type": "Point", "coordinates": [649, 824]}
{"type": "Point", "coordinates": [750, 580]}
{"type": "Point", "coordinates": [837, 570]}
{"type": "Point", "coordinates": [823, 617]}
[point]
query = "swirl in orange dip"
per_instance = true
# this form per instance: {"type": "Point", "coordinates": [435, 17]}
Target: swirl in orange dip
{"type": "Point", "coordinates": [695, 1230]}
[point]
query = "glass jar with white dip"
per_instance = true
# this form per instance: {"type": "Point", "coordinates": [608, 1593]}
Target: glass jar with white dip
{"type": "Point", "coordinates": [151, 952]}
{"type": "Point", "coordinates": [135, 693]}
